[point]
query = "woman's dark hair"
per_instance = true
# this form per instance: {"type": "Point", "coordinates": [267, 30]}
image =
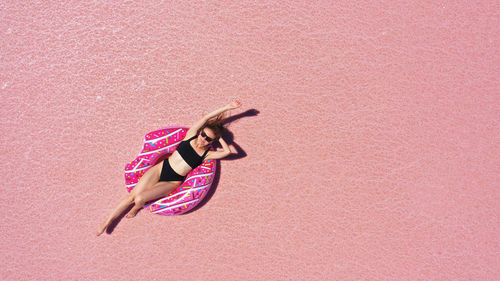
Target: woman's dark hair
{"type": "Point", "coordinates": [214, 124]}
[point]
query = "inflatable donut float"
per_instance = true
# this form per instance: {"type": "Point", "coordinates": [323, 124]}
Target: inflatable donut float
{"type": "Point", "coordinates": [158, 145]}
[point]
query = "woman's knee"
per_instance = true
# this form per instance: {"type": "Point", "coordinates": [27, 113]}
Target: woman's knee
{"type": "Point", "coordinates": [139, 200]}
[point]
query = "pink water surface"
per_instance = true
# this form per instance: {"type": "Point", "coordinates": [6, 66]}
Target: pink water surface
{"type": "Point", "coordinates": [371, 151]}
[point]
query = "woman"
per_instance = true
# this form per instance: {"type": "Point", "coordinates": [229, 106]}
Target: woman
{"type": "Point", "coordinates": [167, 175]}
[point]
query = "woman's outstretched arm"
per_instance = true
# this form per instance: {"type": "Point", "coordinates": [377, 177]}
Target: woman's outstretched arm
{"type": "Point", "coordinates": [196, 126]}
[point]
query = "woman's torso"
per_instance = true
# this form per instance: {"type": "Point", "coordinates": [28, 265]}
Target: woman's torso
{"type": "Point", "coordinates": [178, 164]}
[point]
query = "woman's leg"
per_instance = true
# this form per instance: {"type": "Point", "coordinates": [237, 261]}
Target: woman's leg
{"type": "Point", "coordinates": [149, 179]}
{"type": "Point", "coordinates": [158, 190]}
{"type": "Point", "coordinates": [122, 206]}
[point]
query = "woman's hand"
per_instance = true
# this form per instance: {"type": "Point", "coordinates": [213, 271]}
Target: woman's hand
{"type": "Point", "coordinates": [234, 104]}
{"type": "Point", "coordinates": [224, 145]}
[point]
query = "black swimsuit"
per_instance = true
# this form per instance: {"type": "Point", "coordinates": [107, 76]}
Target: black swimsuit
{"type": "Point", "coordinates": [189, 155]}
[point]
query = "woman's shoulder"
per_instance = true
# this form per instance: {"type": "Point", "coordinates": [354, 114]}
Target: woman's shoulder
{"type": "Point", "coordinates": [189, 137]}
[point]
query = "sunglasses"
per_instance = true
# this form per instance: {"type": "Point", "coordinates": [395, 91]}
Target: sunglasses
{"type": "Point", "coordinates": [209, 139]}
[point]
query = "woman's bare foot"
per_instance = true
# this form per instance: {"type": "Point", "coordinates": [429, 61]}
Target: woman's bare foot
{"type": "Point", "coordinates": [132, 213]}
{"type": "Point", "coordinates": [102, 228]}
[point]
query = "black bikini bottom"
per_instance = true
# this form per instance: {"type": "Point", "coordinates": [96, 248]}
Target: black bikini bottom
{"type": "Point", "coordinates": [168, 174]}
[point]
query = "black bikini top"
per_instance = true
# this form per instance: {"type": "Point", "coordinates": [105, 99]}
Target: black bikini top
{"type": "Point", "coordinates": [189, 155]}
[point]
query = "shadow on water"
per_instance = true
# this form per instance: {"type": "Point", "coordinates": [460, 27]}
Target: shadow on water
{"type": "Point", "coordinates": [228, 136]}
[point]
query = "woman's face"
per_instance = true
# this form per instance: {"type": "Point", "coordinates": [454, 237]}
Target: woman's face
{"type": "Point", "coordinates": [206, 137]}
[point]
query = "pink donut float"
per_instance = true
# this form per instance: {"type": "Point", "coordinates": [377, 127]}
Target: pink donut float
{"type": "Point", "coordinates": [157, 145]}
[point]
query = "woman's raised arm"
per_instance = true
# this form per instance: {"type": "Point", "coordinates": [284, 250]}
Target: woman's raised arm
{"type": "Point", "coordinates": [196, 126]}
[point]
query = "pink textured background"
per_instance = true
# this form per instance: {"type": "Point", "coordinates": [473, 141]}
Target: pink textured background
{"type": "Point", "coordinates": [375, 153]}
